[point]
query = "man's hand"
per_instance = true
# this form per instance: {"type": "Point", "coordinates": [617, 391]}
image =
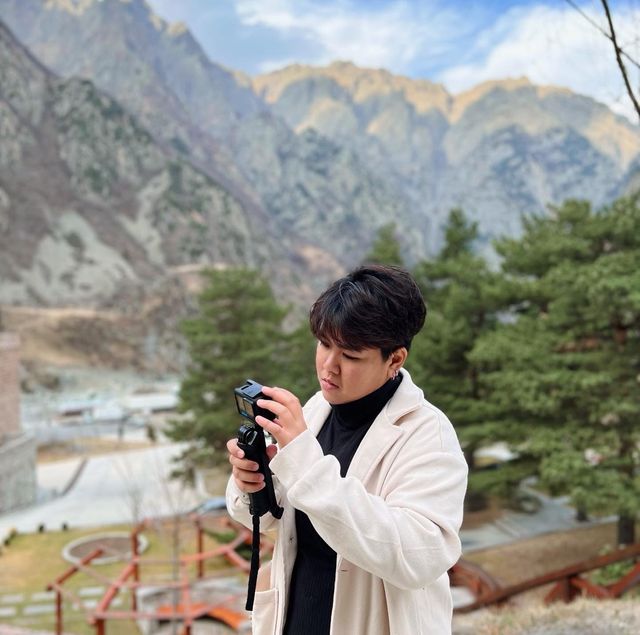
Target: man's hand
{"type": "Point", "coordinates": [245, 472]}
{"type": "Point", "coordinates": [289, 421]}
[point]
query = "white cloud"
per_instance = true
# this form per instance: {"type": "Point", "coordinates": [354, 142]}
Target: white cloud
{"type": "Point", "coordinates": [558, 46]}
{"type": "Point", "coordinates": [391, 37]}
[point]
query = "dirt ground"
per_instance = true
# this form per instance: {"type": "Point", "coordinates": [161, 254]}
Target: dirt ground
{"type": "Point", "coordinates": [525, 559]}
{"type": "Point", "coordinates": [582, 617]}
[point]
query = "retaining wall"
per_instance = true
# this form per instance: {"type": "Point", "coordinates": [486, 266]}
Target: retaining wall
{"type": "Point", "coordinates": [17, 472]}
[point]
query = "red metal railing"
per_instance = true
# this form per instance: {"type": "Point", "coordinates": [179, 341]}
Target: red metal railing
{"type": "Point", "coordinates": [185, 611]}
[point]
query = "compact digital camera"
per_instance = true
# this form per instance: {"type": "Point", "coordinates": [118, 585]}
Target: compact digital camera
{"type": "Point", "coordinates": [251, 440]}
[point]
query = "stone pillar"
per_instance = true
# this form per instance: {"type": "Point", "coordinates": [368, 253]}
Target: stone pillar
{"type": "Point", "coordinates": [9, 385]}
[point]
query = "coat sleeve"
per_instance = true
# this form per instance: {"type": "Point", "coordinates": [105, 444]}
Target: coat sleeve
{"type": "Point", "coordinates": [407, 535]}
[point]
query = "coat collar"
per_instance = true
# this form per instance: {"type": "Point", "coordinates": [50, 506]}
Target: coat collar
{"type": "Point", "coordinates": [383, 432]}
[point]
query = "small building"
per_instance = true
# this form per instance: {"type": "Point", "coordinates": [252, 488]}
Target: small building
{"type": "Point", "coordinates": [18, 485]}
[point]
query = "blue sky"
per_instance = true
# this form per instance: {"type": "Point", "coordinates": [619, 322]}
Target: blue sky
{"type": "Point", "coordinates": [458, 44]}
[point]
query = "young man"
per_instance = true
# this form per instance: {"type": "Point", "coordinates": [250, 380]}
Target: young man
{"type": "Point", "coordinates": [370, 475]}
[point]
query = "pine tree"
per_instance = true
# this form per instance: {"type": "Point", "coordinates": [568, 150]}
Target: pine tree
{"type": "Point", "coordinates": [237, 334]}
{"type": "Point", "coordinates": [385, 249]}
{"type": "Point", "coordinates": [300, 372]}
{"type": "Point", "coordinates": [564, 374]}
{"type": "Point", "coordinates": [460, 291]}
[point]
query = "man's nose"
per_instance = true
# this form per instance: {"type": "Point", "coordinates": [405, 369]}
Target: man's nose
{"type": "Point", "coordinates": [331, 363]}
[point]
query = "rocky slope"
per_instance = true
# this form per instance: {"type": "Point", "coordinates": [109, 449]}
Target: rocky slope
{"type": "Point", "coordinates": [90, 203]}
{"type": "Point", "coordinates": [159, 73]}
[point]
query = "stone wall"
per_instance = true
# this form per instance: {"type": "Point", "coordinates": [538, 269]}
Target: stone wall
{"type": "Point", "coordinates": [17, 450]}
{"type": "Point", "coordinates": [17, 472]}
{"type": "Point", "coordinates": [9, 385]}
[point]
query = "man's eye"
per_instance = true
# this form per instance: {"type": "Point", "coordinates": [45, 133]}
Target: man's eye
{"type": "Point", "coordinates": [350, 356]}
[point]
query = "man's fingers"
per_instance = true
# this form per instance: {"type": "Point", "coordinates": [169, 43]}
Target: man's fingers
{"type": "Point", "coordinates": [272, 427]}
{"type": "Point", "coordinates": [271, 405]}
{"type": "Point", "coordinates": [245, 472]}
{"type": "Point", "coordinates": [282, 396]}
{"type": "Point", "coordinates": [233, 449]}
{"type": "Point", "coordinates": [272, 450]}
{"type": "Point", "coordinates": [248, 477]}
{"type": "Point", "coordinates": [244, 464]}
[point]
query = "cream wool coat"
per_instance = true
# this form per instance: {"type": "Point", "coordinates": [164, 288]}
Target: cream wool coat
{"type": "Point", "coordinates": [393, 520]}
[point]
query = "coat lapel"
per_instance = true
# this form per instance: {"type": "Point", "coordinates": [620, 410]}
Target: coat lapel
{"type": "Point", "coordinates": [384, 430]}
{"type": "Point", "coordinates": [375, 445]}
{"type": "Point", "coordinates": [319, 415]}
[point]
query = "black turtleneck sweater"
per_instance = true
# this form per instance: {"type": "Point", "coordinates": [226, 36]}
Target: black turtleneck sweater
{"type": "Point", "coordinates": [313, 578]}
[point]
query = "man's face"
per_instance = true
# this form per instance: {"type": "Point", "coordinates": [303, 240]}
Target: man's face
{"type": "Point", "coordinates": [346, 375]}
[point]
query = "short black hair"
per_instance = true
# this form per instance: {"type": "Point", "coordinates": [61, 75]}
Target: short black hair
{"type": "Point", "coordinates": [374, 306]}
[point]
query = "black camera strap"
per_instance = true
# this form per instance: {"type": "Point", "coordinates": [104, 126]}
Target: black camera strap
{"type": "Point", "coordinates": [256, 513]}
{"type": "Point", "coordinates": [255, 562]}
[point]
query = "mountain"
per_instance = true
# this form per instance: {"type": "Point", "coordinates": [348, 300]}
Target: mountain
{"type": "Point", "coordinates": [99, 218]}
{"type": "Point", "coordinates": [499, 150]}
{"type": "Point", "coordinates": [311, 161]}
{"type": "Point", "coordinates": [212, 116]}
{"type": "Point", "coordinates": [90, 203]}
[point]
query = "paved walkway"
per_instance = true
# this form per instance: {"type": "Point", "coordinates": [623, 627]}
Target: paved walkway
{"type": "Point", "coordinates": [15, 605]}
{"type": "Point", "coordinates": [114, 488]}
{"type": "Point", "coordinates": [555, 514]}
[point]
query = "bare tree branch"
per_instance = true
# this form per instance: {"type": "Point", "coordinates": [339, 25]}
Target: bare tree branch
{"type": "Point", "coordinates": [619, 52]}
{"type": "Point", "coordinates": [594, 24]}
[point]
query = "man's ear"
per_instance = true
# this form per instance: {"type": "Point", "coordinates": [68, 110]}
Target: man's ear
{"type": "Point", "coordinates": [398, 358]}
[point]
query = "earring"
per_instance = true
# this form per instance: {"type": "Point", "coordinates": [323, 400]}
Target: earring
{"type": "Point", "coordinates": [395, 374]}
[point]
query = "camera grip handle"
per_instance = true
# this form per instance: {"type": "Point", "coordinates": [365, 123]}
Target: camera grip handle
{"type": "Point", "coordinates": [264, 500]}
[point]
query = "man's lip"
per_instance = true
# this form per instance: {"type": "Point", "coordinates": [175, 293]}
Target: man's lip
{"type": "Point", "coordinates": [328, 383]}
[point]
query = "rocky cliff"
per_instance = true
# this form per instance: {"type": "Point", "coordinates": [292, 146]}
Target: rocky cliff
{"type": "Point", "coordinates": [89, 202]}
{"type": "Point", "coordinates": [500, 150]}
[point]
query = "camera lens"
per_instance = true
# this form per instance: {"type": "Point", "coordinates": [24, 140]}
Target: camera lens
{"type": "Point", "coordinates": [248, 407]}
